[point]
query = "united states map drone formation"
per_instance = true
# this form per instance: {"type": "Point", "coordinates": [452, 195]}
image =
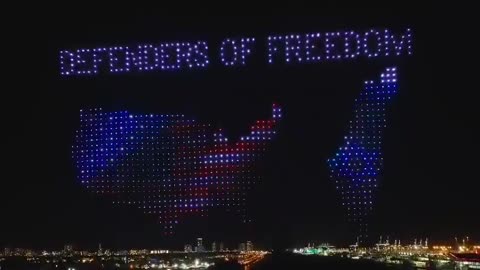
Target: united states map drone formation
{"type": "Point", "coordinates": [169, 165]}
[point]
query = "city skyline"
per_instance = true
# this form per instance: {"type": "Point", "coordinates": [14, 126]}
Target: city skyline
{"type": "Point", "coordinates": [202, 245]}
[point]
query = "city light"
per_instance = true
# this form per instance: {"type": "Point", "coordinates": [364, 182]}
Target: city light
{"type": "Point", "coordinates": [417, 254]}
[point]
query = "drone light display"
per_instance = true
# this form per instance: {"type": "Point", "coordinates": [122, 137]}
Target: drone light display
{"type": "Point", "coordinates": [356, 166]}
{"type": "Point", "coordinates": [170, 166]}
{"type": "Point", "coordinates": [293, 48]}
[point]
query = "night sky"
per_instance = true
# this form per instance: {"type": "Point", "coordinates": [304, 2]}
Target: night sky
{"type": "Point", "coordinates": [429, 186]}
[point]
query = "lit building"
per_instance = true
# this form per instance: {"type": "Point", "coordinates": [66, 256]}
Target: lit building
{"type": "Point", "coordinates": [214, 247]}
{"type": "Point", "coordinates": [169, 166]}
{"type": "Point", "coordinates": [100, 251]}
{"type": "Point", "coordinates": [221, 247]}
{"type": "Point", "coordinates": [356, 166]}
{"type": "Point", "coordinates": [200, 247]}
{"type": "Point", "coordinates": [7, 252]}
{"type": "Point", "coordinates": [188, 248]}
{"type": "Point", "coordinates": [249, 246]}
{"type": "Point", "coordinates": [159, 251]}
{"type": "Point", "coordinates": [29, 253]}
{"type": "Point", "coordinates": [466, 260]}
{"type": "Point", "coordinates": [19, 252]}
{"type": "Point", "coordinates": [241, 247]}
{"type": "Point", "coordinates": [138, 252]}
{"type": "Point", "coordinates": [122, 253]}
{"type": "Point", "coordinates": [68, 249]}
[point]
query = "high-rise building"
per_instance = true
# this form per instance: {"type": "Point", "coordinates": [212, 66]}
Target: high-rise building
{"type": "Point", "coordinates": [19, 252]}
{"type": "Point", "coordinates": [221, 247]}
{"type": "Point", "coordinates": [356, 166]}
{"type": "Point", "coordinates": [188, 248]}
{"type": "Point", "coordinates": [241, 247]}
{"type": "Point", "coordinates": [200, 247]}
{"type": "Point", "coordinates": [249, 246]}
{"type": "Point", "coordinates": [7, 252]}
{"type": "Point", "coordinates": [99, 251]}
{"type": "Point", "coordinates": [68, 249]}
{"type": "Point", "coordinates": [214, 247]}
{"type": "Point", "coordinates": [131, 155]}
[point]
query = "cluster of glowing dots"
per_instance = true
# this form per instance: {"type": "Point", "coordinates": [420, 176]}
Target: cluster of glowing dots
{"type": "Point", "coordinates": [356, 166]}
{"type": "Point", "coordinates": [233, 52]}
{"type": "Point", "coordinates": [317, 47]}
{"type": "Point", "coordinates": [144, 57]}
{"type": "Point", "coordinates": [169, 166]}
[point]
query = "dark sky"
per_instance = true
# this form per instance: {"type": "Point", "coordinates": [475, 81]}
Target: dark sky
{"type": "Point", "coordinates": [430, 179]}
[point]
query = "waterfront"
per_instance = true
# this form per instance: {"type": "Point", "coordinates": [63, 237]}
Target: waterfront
{"type": "Point", "coordinates": [216, 261]}
{"type": "Point", "coordinates": [269, 262]}
{"type": "Point", "coordinates": [133, 260]}
{"type": "Point", "coordinates": [284, 261]}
